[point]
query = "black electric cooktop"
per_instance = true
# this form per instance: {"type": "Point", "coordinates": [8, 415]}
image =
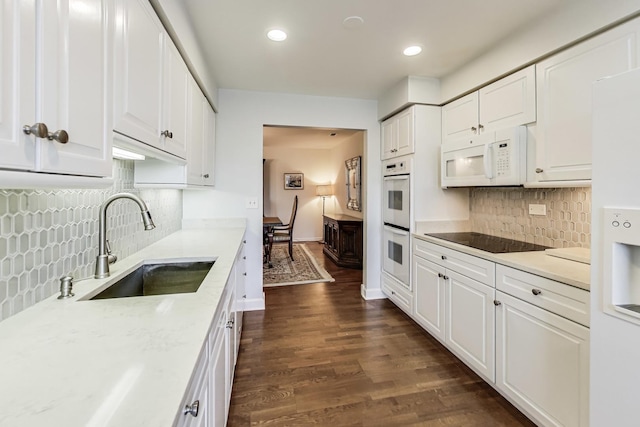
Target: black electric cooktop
{"type": "Point", "coordinates": [484, 242]}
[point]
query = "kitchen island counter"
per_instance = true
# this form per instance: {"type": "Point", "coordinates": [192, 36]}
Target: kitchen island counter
{"type": "Point", "coordinates": [572, 273]}
{"type": "Point", "coordinates": [114, 362]}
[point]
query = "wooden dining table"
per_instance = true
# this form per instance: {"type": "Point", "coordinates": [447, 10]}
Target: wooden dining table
{"type": "Point", "coordinates": [268, 222]}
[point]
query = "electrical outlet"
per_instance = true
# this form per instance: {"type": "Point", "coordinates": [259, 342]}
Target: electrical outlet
{"type": "Point", "coordinates": [252, 203]}
{"type": "Point", "coordinates": [537, 209]}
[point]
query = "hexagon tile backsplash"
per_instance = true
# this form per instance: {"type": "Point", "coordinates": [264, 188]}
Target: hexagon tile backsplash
{"type": "Point", "coordinates": [46, 234]}
{"type": "Point", "coordinates": [504, 212]}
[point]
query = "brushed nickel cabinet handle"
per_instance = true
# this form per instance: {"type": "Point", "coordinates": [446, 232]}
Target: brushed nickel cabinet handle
{"type": "Point", "coordinates": [496, 302]}
{"type": "Point", "coordinates": [445, 277]}
{"type": "Point", "coordinates": [60, 135]}
{"type": "Point", "coordinates": [440, 275]}
{"type": "Point", "coordinates": [192, 409]}
{"type": "Point", "coordinates": [443, 257]}
{"type": "Point", "coordinates": [538, 170]}
{"type": "Point", "coordinates": [480, 128]}
{"type": "Point", "coordinates": [206, 175]}
{"type": "Point", "coordinates": [167, 134]}
{"type": "Point", "coordinates": [536, 291]}
{"type": "Point", "coordinates": [39, 130]}
{"type": "Point", "coordinates": [474, 129]}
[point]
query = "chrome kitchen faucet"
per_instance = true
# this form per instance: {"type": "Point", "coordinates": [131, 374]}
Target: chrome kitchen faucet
{"type": "Point", "coordinates": [105, 257]}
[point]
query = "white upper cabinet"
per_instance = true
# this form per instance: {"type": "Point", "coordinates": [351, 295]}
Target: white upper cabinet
{"type": "Point", "coordinates": [174, 115]}
{"type": "Point", "coordinates": [398, 134]}
{"type": "Point", "coordinates": [139, 41]}
{"type": "Point", "coordinates": [509, 102]}
{"type": "Point", "coordinates": [151, 81]}
{"type": "Point", "coordinates": [197, 171]}
{"type": "Point", "coordinates": [563, 134]}
{"type": "Point", "coordinates": [55, 72]}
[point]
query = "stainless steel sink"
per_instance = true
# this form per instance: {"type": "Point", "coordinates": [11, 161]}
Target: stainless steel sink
{"type": "Point", "coordinates": [159, 279]}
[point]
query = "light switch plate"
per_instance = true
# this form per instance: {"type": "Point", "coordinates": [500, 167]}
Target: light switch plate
{"type": "Point", "coordinates": [537, 209]}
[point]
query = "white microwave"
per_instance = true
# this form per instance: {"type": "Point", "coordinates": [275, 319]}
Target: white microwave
{"type": "Point", "coordinates": [491, 159]}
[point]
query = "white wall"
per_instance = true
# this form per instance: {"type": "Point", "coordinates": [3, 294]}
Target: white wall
{"type": "Point", "coordinates": [239, 168]}
{"type": "Point", "coordinates": [316, 166]}
{"type": "Point", "coordinates": [569, 23]}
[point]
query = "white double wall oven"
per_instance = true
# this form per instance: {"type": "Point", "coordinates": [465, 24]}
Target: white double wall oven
{"type": "Point", "coordinates": [397, 219]}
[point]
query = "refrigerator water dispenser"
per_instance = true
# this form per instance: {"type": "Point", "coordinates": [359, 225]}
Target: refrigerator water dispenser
{"type": "Point", "coordinates": [621, 263]}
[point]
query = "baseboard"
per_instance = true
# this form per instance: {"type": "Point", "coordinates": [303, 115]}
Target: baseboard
{"type": "Point", "coordinates": [368, 294]}
{"type": "Point", "coordinates": [254, 304]}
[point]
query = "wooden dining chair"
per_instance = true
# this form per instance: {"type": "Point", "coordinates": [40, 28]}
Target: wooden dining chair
{"type": "Point", "coordinates": [284, 233]}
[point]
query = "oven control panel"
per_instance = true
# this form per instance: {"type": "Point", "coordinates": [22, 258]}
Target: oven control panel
{"type": "Point", "coordinates": [396, 167]}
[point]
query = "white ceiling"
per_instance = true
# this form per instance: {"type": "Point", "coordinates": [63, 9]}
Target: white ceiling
{"type": "Point", "coordinates": [323, 57]}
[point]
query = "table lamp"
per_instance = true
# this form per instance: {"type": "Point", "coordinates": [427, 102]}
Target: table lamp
{"type": "Point", "coordinates": [324, 191]}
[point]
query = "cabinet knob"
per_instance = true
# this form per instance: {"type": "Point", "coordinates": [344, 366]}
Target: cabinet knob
{"type": "Point", "coordinates": [229, 324]}
{"type": "Point", "coordinates": [167, 134]}
{"type": "Point", "coordinates": [39, 130]}
{"type": "Point", "coordinates": [480, 128]}
{"type": "Point", "coordinates": [60, 135]}
{"type": "Point", "coordinates": [206, 175]}
{"type": "Point", "coordinates": [443, 257]}
{"type": "Point", "coordinates": [538, 170]}
{"type": "Point", "coordinates": [496, 302]}
{"type": "Point", "coordinates": [244, 257]}
{"type": "Point", "coordinates": [393, 292]}
{"type": "Point", "coordinates": [244, 274]}
{"type": "Point", "coordinates": [192, 409]}
{"type": "Point", "coordinates": [536, 291]}
{"type": "Point", "coordinates": [474, 129]}
{"type": "Point", "coordinates": [440, 275]}
{"type": "Point", "coordinates": [445, 277]}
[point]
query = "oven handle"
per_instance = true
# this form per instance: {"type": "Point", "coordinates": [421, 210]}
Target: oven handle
{"type": "Point", "coordinates": [396, 177]}
{"type": "Point", "coordinates": [396, 231]}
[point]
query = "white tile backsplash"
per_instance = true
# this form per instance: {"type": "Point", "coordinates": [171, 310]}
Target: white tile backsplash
{"type": "Point", "coordinates": [504, 212]}
{"type": "Point", "coordinates": [46, 234]}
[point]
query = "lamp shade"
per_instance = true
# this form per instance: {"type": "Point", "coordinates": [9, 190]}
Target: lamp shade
{"type": "Point", "coordinates": [324, 190]}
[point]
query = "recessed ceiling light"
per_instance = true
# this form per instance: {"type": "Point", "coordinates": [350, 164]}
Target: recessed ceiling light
{"type": "Point", "coordinates": [352, 22]}
{"type": "Point", "coordinates": [412, 50]}
{"type": "Point", "coordinates": [277, 35]}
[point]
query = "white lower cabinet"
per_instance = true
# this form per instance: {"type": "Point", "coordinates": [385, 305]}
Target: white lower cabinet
{"type": "Point", "coordinates": [470, 320]}
{"type": "Point", "coordinates": [429, 296]}
{"type": "Point", "coordinates": [398, 293]}
{"type": "Point", "coordinates": [195, 406]}
{"type": "Point", "coordinates": [456, 308]}
{"type": "Point", "coordinates": [525, 334]}
{"type": "Point", "coordinates": [212, 381]}
{"type": "Point", "coordinates": [542, 347]}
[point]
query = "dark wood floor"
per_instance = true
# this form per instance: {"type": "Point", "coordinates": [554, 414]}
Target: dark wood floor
{"type": "Point", "coordinates": [321, 355]}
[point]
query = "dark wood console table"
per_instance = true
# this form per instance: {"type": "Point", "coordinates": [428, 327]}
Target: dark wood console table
{"type": "Point", "coordinates": [343, 240]}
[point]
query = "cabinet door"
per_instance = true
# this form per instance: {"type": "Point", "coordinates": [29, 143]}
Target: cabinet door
{"type": "Point", "coordinates": [563, 135]}
{"type": "Point", "coordinates": [509, 102]}
{"type": "Point", "coordinates": [429, 296]}
{"type": "Point", "coordinates": [74, 90]}
{"type": "Point", "coordinates": [208, 145]}
{"type": "Point", "coordinates": [542, 362]}
{"type": "Point", "coordinates": [176, 95]}
{"type": "Point", "coordinates": [470, 323]}
{"type": "Point", "coordinates": [17, 88]}
{"type": "Point", "coordinates": [139, 39]}
{"type": "Point", "coordinates": [217, 376]}
{"type": "Point", "coordinates": [230, 345]}
{"type": "Point", "coordinates": [195, 135]}
{"type": "Point", "coordinates": [460, 118]}
{"type": "Point", "coordinates": [406, 133]}
{"type": "Point", "coordinates": [389, 137]}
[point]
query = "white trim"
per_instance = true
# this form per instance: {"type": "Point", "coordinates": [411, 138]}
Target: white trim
{"type": "Point", "coordinates": [369, 294]}
{"type": "Point", "coordinates": [254, 304]}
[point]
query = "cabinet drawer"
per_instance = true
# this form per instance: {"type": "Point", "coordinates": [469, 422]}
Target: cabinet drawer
{"type": "Point", "coordinates": [468, 265]}
{"type": "Point", "coordinates": [562, 299]}
{"type": "Point", "coordinates": [397, 293]}
{"type": "Point", "coordinates": [196, 391]}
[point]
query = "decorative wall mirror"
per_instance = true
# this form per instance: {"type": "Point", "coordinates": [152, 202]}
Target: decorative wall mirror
{"type": "Point", "coordinates": [352, 177]}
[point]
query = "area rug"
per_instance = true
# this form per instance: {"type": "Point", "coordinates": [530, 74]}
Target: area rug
{"type": "Point", "coordinates": [304, 269]}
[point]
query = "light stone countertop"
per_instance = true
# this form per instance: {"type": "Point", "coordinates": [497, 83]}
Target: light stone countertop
{"type": "Point", "coordinates": [114, 362]}
{"type": "Point", "coordinates": [573, 273]}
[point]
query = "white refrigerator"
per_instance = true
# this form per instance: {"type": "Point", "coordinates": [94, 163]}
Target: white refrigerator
{"type": "Point", "coordinates": [615, 253]}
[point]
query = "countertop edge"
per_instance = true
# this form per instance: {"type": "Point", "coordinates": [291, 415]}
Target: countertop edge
{"type": "Point", "coordinates": [537, 263]}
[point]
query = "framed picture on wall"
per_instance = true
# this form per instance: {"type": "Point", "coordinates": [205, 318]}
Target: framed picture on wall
{"type": "Point", "coordinates": [293, 181]}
